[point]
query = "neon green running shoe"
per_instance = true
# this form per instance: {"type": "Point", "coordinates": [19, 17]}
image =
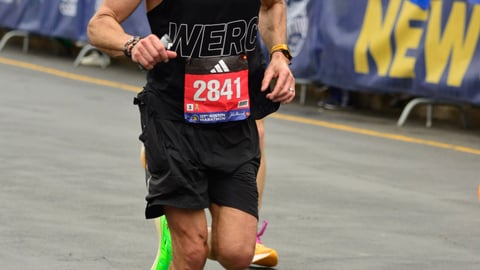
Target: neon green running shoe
{"type": "Point", "coordinates": [164, 256]}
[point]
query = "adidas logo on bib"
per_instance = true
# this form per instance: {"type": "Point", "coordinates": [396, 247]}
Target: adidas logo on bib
{"type": "Point", "coordinates": [221, 67]}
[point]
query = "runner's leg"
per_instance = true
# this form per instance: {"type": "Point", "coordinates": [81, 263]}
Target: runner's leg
{"type": "Point", "coordinates": [264, 256]}
{"type": "Point", "coordinates": [261, 175]}
{"type": "Point", "coordinates": [232, 237]}
{"type": "Point", "coordinates": [188, 230]}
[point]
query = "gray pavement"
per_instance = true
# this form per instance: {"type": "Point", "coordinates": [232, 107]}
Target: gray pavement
{"type": "Point", "coordinates": [72, 189]}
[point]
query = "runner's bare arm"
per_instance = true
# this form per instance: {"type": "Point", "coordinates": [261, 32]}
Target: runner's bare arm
{"type": "Point", "coordinates": [105, 32]}
{"type": "Point", "coordinates": [273, 22]}
{"type": "Point", "coordinates": [272, 26]}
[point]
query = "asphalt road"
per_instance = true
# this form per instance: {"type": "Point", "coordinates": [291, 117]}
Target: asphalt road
{"type": "Point", "coordinates": [344, 190]}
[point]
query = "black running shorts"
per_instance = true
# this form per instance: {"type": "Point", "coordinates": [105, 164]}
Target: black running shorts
{"type": "Point", "coordinates": [191, 166]}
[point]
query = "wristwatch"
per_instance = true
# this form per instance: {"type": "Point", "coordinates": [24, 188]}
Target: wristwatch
{"type": "Point", "coordinates": [283, 48]}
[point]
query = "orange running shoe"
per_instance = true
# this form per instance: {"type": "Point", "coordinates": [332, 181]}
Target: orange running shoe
{"type": "Point", "coordinates": [264, 256]}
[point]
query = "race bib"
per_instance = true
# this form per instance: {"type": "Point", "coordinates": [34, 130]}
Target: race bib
{"type": "Point", "coordinates": [216, 90]}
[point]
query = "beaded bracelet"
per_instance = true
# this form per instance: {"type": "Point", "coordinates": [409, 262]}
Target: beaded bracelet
{"type": "Point", "coordinates": [128, 46]}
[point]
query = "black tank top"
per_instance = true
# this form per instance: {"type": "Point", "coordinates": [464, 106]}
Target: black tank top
{"type": "Point", "coordinates": [202, 29]}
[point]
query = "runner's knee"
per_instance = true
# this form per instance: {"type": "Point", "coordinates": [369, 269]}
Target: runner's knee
{"type": "Point", "coordinates": [239, 257]}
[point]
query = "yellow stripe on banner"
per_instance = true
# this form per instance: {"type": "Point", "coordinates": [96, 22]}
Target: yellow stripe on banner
{"type": "Point", "coordinates": [296, 119]}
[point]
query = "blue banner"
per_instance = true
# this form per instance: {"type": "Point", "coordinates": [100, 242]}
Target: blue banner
{"type": "Point", "coordinates": [10, 13]}
{"type": "Point", "coordinates": [61, 18]}
{"type": "Point", "coordinates": [56, 18]}
{"type": "Point", "coordinates": [389, 46]}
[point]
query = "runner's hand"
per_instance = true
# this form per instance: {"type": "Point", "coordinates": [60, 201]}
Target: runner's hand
{"type": "Point", "coordinates": [279, 70]}
{"type": "Point", "coordinates": [149, 51]}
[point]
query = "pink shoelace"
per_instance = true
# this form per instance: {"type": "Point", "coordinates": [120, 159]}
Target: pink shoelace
{"type": "Point", "coordinates": [262, 230]}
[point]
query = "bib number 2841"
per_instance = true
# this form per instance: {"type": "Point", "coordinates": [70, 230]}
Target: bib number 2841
{"type": "Point", "coordinates": [213, 90]}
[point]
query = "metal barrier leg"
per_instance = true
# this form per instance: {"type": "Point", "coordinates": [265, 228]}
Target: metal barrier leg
{"type": "Point", "coordinates": [303, 89]}
{"type": "Point", "coordinates": [303, 94]}
{"type": "Point", "coordinates": [15, 33]}
{"type": "Point", "coordinates": [430, 103]}
{"type": "Point", "coordinates": [85, 49]}
{"type": "Point", "coordinates": [103, 62]}
{"type": "Point", "coordinates": [408, 108]}
{"type": "Point", "coordinates": [429, 115]}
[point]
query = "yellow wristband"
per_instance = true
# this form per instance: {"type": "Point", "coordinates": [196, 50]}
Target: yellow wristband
{"type": "Point", "coordinates": [282, 48]}
{"type": "Point", "coordinates": [279, 47]}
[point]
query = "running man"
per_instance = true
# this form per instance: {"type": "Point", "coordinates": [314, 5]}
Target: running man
{"type": "Point", "coordinates": [198, 111]}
